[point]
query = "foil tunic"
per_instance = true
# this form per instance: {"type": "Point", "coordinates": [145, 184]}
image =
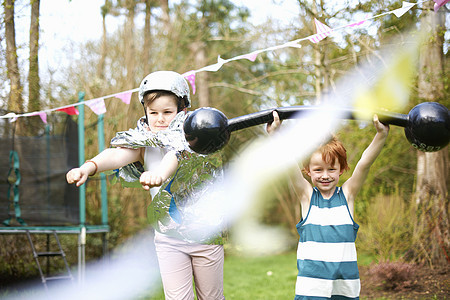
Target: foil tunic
{"type": "Point", "coordinates": [172, 208]}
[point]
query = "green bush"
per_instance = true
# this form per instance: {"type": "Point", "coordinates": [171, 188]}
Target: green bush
{"type": "Point", "coordinates": [388, 230]}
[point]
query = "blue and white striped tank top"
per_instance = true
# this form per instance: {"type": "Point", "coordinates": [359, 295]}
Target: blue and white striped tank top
{"type": "Point", "coordinates": [326, 254]}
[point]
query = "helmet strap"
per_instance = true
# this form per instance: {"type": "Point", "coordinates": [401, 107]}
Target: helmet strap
{"type": "Point", "coordinates": [146, 117]}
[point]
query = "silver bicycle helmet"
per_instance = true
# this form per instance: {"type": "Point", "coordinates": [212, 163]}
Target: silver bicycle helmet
{"type": "Point", "coordinates": [165, 81]}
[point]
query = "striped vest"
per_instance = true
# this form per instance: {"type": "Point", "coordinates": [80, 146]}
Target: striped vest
{"type": "Point", "coordinates": [326, 255]}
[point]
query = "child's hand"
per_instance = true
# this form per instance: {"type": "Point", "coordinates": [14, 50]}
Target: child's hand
{"type": "Point", "coordinates": [273, 126]}
{"type": "Point", "coordinates": [380, 127]}
{"type": "Point", "coordinates": [77, 176]}
{"type": "Point", "coordinates": [150, 179]}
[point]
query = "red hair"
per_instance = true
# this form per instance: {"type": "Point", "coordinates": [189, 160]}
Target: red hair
{"type": "Point", "coordinates": [332, 151]}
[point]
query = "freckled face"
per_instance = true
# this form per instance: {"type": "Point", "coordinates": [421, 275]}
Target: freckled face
{"type": "Point", "coordinates": [324, 175]}
{"type": "Point", "coordinates": [161, 112]}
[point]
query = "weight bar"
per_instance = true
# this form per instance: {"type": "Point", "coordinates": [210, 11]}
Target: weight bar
{"type": "Point", "coordinates": [427, 125]}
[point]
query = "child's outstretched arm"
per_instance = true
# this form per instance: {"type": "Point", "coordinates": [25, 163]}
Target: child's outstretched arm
{"type": "Point", "coordinates": [108, 159]}
{"type": "Point", "coordinates": [167, 168]}
{"type": "Point", "coordinates": [352, 186]}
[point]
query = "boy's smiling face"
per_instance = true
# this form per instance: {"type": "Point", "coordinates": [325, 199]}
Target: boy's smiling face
{"type": "Point", "coordinates": [161, 112]}
{"type": "Point", "coordinates": [324, 175]}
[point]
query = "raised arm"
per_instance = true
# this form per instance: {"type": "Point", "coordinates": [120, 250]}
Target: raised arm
{"type": "Point", "coordinates": [108, 159]}
{"type": "Point", "coordinates": [271, 127]}
{"type": "Point", "coordinates": [166, 168]}
{"type": "Point", "coordinates": [302, 186]}
{"type": "Point", "coordinates": [303, 190]}
{"type": "Point", "coordinates": [352, 186]}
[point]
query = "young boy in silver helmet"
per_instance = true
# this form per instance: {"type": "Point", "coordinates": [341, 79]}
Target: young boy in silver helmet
{"type": "Point", "coordinates": [172, 175]}
{"type": "Point", "coordinates": [157, 144]}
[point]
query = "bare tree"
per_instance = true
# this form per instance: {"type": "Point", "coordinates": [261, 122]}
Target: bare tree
{"type": "Point", "coordinates": [33, 75]}
{"type": "Point", "coordinates": [15, 102]}
{"type": "Point", "coordinates": [34, 86]}
{"type": "Point", "coordinates": [147, 36]}
{"type": "Point", "coordinates": [432, 167]}
{"type": "Point", "coordinates": [198, 48]}
{"type": "Point", "coordinates": [130, 44]}
{"type": "Point", "coordinates": [105, 10]}
{"type": "Point", "coordinates": [165, 14]}
{"type": "Point", "coordinates": [316, 10]}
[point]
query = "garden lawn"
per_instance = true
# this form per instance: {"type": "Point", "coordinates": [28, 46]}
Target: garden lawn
{"type": "Point", "coordinates": [266, 277]}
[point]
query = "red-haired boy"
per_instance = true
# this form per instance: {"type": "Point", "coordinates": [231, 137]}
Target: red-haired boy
{"type": "Point", "coordinates": [326, 255]}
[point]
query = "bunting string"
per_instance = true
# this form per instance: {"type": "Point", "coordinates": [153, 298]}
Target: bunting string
{"type": "Point", "coordinates": [97, 105]}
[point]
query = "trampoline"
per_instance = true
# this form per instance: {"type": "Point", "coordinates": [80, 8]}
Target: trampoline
{"type": "Point", "coordinates": [34, 195]}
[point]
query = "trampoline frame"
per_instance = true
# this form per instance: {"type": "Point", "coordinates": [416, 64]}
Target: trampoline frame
{"type": "Point", "coordinates": [82, 229]}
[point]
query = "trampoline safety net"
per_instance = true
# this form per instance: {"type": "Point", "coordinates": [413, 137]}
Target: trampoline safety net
{"type": "Point", "coordinates": [44, 198]}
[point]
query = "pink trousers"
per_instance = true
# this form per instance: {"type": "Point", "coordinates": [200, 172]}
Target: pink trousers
{"type": "Point", "coordinates": [180, 261]}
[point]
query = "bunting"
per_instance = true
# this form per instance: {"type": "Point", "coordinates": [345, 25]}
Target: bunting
{"type": "Point", "coordinates": [250, 56]}
{"type": "Point", "coordinates": [322, 31]}
{"type": "Point", "coordinates": [11, 116]}
{"type": "Point", "coordinates": [439, 3]}
{"type": "Point", "coordinates": [125, 97]}
{"type": "Point", "coordinates": [43, 117]}
{"type": "Point", "coordinates": [97, 106]}
{"type": "Point", "coordinates": [356, 23]}
{"type": "Point", "coordinates": [401, 11]}
{"type": "Point", "coordinates": [70, 110]}
{"type": "Point", "coordinates": [190, 76]}
{"type": "Point", "coordinates": [215, 67]}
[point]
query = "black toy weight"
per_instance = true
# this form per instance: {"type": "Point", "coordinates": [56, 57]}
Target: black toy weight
{"type": "Point", "coordinates": [206, 130]}
{"type": "Point", "coordinates": [427, 125]}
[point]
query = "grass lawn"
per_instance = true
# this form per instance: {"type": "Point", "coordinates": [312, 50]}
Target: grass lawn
{"type": "Point", "coordinates": [266, 277]}
{"type": "Point", "coordinates": [259, 278]}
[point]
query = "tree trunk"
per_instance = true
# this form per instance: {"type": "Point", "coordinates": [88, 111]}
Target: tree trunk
{"type": "Point", "coordinates": [33, 75]}
{"type": "Point", "coordinates": [199, 50]}
{"type": "Point", "coordinates": [318, 73]}
{"type": "Point", "coordinates": [101, 64]}
{"type": "Point", "coordinates": [130, 48]}
{"type": "Point", "coordinates": [15, 102]}
{"type": "Point", "coordinates": [432, 167]}
{"type": "Point", "coordinates": [322, 78]}
{"type": "Point", "coordinates": [317, 61]}
{"type": "Point", "coordinates": [165, 14]}
{"type": "Point", "coordinates": [34, 86]}
{"type": "Point", "coordinates": [147, 37]}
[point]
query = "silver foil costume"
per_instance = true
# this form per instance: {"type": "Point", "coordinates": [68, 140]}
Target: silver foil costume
{"type": "Point", "coordinates": [172, 211]}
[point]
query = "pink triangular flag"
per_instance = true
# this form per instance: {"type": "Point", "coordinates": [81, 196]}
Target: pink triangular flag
{"type": "Point", "coordinates": [97, 106]}
{"type": "Point", "coordinates": [190, 76]}
{"type": "Point", "coordinates": [43, 116]}
{"type": "Point", "coordinates": [125, 97]}
{"type": "Point", "coordinates": [71, 110]}
{"type": "Point", "coordinates": [439, 4]}
{"type": "Point", "coordinates": [250, 56]}
{"type": "Point", "coordinates": [322, 32]}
